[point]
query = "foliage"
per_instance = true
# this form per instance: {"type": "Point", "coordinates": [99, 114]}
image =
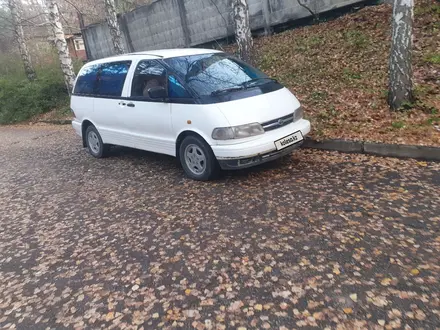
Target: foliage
{"type": "Point", "coordinates": [21, 99]}
{"type": "Point", "coordinates": [338, 70]}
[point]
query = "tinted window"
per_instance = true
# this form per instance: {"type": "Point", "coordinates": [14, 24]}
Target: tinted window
{"type": "Point", "coordinates": [111, 78]}
{"type": "Point", "coordinates": [207, 73]}
{"type": "Point", "coordinates": [148, 74]}
{"type": "Point", "coordinates": [175, 89]}
{"type": "Point", "coordinates": [86, 82]}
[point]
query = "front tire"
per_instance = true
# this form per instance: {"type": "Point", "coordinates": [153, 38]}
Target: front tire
{"type": "Point", "coordinates": [197, 159]}
{"type": "Point", "coordinates": [94, 143]}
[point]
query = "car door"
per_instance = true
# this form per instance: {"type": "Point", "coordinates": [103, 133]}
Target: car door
{"type": "Point", "coordinates": [148, 120]}
{"type": "Point", "coordinates": [107, 113]}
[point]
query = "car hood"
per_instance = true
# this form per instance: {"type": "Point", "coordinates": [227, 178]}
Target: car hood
{"type": "Point", "coordinates": [260, 108]}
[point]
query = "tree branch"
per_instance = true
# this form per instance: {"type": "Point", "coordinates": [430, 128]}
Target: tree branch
{"type": "Point", "coordinates": [315, 15]}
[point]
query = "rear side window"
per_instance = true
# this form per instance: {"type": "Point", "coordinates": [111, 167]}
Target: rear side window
{"type": "Point", "coordinates": [102, 79]}
{"type": "Point", "coordinates": [111, 78]}
{"type": "Point", "coordinates": [86, 83]}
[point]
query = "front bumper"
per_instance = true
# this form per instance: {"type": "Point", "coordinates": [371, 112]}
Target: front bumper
{"type": "Point", "coordinates": [259, 149]}
{"type": "Point", "coordinates": [234, 164]}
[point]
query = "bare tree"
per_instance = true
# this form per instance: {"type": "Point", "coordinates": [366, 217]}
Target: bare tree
{"type": "Point", "coordinates": [315, 14]}
{"type": "Point", "coordinates": [61, 44]}
{"type": "Point", "coordinates": [243, 34]}
{"type": "Point", "coordinates": [113, 25]}
{"type": "Point", "coordinates": [15, 9]}
{"type": "Point", "coordinates": [400, 83]}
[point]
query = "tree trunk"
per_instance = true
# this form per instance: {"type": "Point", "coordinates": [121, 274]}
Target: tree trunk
{"type": "Point", "coordinates": [61, 45]}
{"type": "Point", "coordinates": [113, 25]}
{"type": "Point", "coordinates": [243, 34]}
{"type": "Point", "coordinates": [15, 9]}
{"type": "Point", "coordinates": [400, 84]}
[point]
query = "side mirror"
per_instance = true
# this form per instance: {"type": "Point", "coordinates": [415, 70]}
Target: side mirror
{"type": "Point", "coordinates": [157, 92]}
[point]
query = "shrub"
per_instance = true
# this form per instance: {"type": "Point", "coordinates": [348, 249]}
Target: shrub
{"type": "Point", "coordinates": [21, 99]}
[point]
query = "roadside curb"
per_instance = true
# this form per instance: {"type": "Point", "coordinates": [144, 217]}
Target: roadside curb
{"type": "Point", "coordinates": [56, 122]}
{"type": "Point", "coordinates": [377, 149]}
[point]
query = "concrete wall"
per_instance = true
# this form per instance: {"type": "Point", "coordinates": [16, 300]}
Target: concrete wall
{"type": "Point", "coordinates": [184, 23]}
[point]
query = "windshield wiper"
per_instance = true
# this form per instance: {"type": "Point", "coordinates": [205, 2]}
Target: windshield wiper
{"type": "Point", "coordinates": [255, 80]}
{"type": "Point", "coordinates": [226, 90]}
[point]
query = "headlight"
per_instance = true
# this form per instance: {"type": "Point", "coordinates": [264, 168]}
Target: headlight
{"type": "Point", "coordinates": [298, 114]}
{"type": "Point", "coordinates": [237, 132]}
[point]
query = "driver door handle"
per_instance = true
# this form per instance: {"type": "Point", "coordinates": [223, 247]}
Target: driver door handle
{"type": "Point", "coordinates": [131, 105]}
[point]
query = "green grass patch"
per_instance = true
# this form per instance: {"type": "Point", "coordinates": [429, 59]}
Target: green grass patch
{"type": "Point", "coordinates": [356, 39]}
{"type": "Point", "coordinates": [433, 58]}
{"type": "Point", "coordinates": [398, 124]}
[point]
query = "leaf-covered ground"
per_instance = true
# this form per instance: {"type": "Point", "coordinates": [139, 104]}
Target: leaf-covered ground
{"type": "Point", "coordinates": [339, 71]}
{"type": "Point", "coordinates": [316, 240]}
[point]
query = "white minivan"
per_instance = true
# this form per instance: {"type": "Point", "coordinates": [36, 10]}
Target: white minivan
{"type": "Point", "coordinates": [208, 108]}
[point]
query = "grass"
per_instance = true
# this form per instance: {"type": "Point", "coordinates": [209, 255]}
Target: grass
{"type": "Point", "coordinates": [433, 58]}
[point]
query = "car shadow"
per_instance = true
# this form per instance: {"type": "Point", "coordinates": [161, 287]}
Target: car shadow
{"type": "Point", "coordinates": [166, 162]}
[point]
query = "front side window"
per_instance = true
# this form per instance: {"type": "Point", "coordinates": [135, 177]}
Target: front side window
{"type": "Point", "coordinates": [148, 74]}
{"type": "Point", "coordinates": [86, 83]}
{"type": "Point", "coordinates": [111, 78]}
{"type": "Point", "coordinates": [176, 89]}
{"type": "Point", "coordinates": [208, 74]}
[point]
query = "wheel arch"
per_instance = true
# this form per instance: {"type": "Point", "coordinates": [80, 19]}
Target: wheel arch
{"type": "Point", "coordinates": [182, 135]}
{"type": "Point", "coordinates": [84, 125]}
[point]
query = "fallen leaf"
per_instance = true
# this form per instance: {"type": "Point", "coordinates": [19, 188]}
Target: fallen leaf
{"type": "Point", "coordinates": [354, 297]}
{"type": "Point", "coordinates": [415, 271]}
{"type": "Point", "coordinates": [109, 316]}
{"type": "Point", "coordinates": [385, 281]}
{"type": "Point", "coordinates": [258, 307]}
{"type": "Point", "coordinates": [348, 310]}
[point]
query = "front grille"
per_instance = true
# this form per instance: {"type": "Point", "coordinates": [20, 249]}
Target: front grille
{"type": "Point", "coordinates": [277, 123]}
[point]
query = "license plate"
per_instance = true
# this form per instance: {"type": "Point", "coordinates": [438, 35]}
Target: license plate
{"type": "Point", "coordinates": [288, 140]}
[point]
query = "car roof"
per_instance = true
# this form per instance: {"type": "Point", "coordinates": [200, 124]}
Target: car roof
{"type": "Point", "coordinates": [166, 53]}
{"type": "Point", "coordinates": [160, 53]}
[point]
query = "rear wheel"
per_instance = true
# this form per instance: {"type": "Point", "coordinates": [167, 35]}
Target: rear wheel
{"type": "Point", "coordinates": [197, 159]}
{"type": "Point", "coordinates": [94, 143]}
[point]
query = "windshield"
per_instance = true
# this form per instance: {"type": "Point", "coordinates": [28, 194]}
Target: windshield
{"type": "Point", "coordinates": [211, 74]}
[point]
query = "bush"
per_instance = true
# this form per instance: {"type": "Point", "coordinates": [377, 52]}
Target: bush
{"type": "Point", "coordinates": [21, 99]}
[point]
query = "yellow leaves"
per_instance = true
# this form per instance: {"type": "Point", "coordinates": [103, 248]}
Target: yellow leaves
{"type": "Point", "coordinates": [258, 307]}
{"type": "Point", "coordinates": [415, 271]}
{"type": "Point", "coordinates": [381, 322]}
{"type": "Point", "coordinates": [110, 316]}
{"type": "Point", "coordinates": [155, 315]}
{"type": "Point", "coordinates": [336, 270]}
{"type": "Point", "coordinates": [267, 269]}
{"type": "Point", "coordinates": [423, 164]}
{"type": "Point", "coordinates": [304, 262]}
{"type": "Point", "coordinates": [80, 297]}
{"type": "Point", "coordinates": [354, 297]}
{"type": "Point", "coordinates": [188, 292]}
{"type": "Point", "coordinates": [386, 281]}
{"type": "Point", "coordinates": [348, 310]}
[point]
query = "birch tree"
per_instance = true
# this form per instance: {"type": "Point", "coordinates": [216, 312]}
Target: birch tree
{"type": "Point", "coordinates": [15, 9]}
{"type": "Point", "coordinates": [113, 25]}
{"type": "Point", "coordinates": [243, 34]}
{"type": "Point", "coordinates": [61, 44]}
{"type": "Point", "coordinates": [400, 80]}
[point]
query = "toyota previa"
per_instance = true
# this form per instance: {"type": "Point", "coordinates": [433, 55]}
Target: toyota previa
{"type": "Point", "coordinates": [209, 109]}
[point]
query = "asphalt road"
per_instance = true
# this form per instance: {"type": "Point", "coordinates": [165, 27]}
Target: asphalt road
{"type": "Point", "coordinates": [317, 239]}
